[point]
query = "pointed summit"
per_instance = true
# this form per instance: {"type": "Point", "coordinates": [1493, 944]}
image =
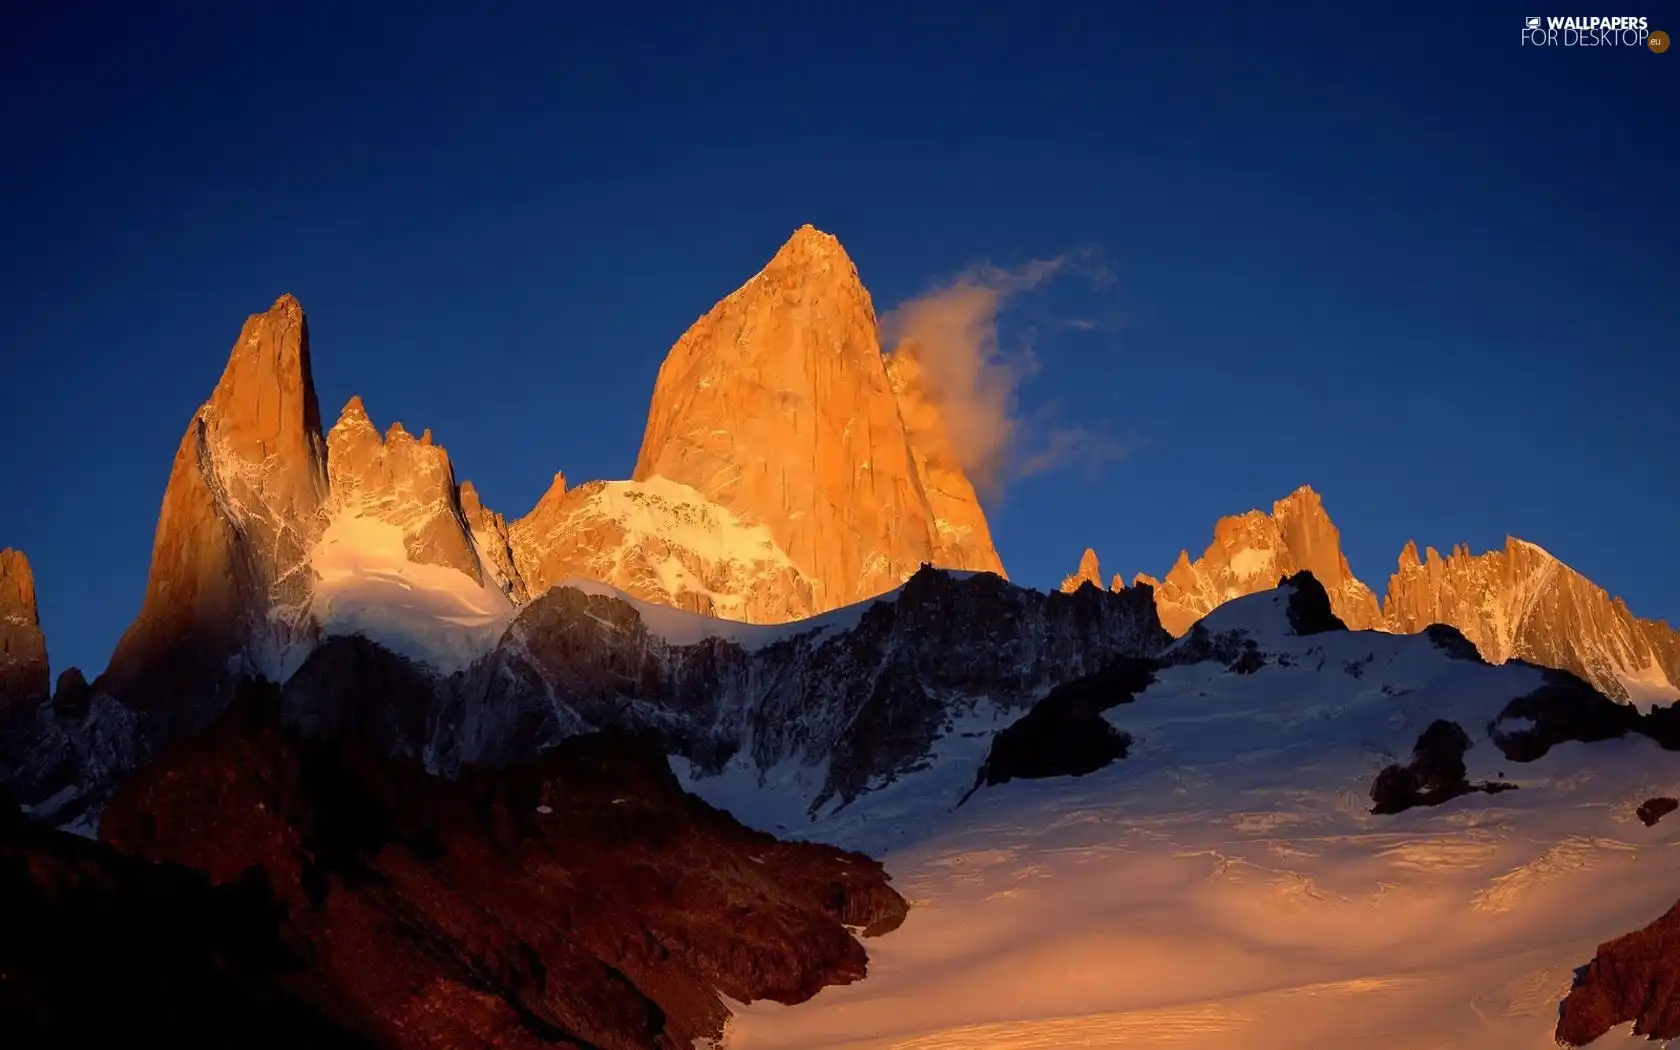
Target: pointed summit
{"type": "Point", "coordinates": [23, 649]}
{"type": "Point", "coordinates": [1089, 572]}
{"type": "Point", "coordinates": [778, 407]}
{"type": "Point", "coordinates": [228, 587]}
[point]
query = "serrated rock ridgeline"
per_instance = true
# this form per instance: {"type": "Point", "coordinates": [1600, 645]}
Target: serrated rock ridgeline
{"type": "Point", "coordinates": [1519, 602]}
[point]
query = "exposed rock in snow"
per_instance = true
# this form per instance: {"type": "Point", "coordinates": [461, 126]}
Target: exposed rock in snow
{"type": "Point", "coordinates": [1654, 809]}
{"type": "Point", "coordinates": [1635, 977]}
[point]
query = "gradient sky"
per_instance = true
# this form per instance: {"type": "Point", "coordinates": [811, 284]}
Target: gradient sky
{"type": "Point", "coordinates": [1399, 257]}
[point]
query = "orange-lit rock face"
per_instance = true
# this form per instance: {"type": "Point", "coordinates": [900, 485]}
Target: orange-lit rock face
{"type": "Point", "coordinates": [229, 575]}
{"type": "Point", "coordinates": [23, 649]}
{"type": "Point", "coordinates": [1516, 603]}
{"type": "Point", "coordinates": [1089, 572]}
{"type": "Point", "coordinates": [1251, 552]}
{"type": "Point", "coordinates": [777, 406]}
{"type": "Point", "coordinates": [1522, 603]}
{"type": "Point", "coordinates": [404, 482]}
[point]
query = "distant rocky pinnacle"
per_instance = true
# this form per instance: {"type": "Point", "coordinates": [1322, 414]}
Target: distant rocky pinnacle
{"type": "Point", "coordinates": [1088, 572]}
{"type": "Point", "coordinates": [23, 648]}
{"type": "Point", "coordinates": [1518, 603]}
{"type": "Point", "coordinates": [778, 406]}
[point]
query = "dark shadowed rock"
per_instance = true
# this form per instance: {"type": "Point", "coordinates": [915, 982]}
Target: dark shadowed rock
{"type": "Point", "coordinates": [1451, 640]}
{"type": "Point", "coordinates": [1435, 774]}
{"type": "Point", "coordinates": [1635, 977]}
{"type": "Point", "coordinates": [352, 687]}
{"type": "Point", "coordinates": [1654, 809]}
{"type": "Point", "coordinates": [70, 696]}
{"type": "Point", "coordinates": [582, 899]}
{"type": "Point", "coordinates": [870, 699]}
{"type": "Point", "coordinates": [1308, 607]}
{"type": "Point", "coordinates": [107, 951]}
{"type": "Point", "coordinates": [1065, 734]}
{"type": "Point", "coordinates": [1563, 709]}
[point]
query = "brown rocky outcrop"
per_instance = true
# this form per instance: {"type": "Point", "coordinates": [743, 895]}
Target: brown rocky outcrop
{"type": "Point", "coordinates": [777, 405]}
{"type": "Point", "coordinates": [229, 582]}
{"type": "Point", "coordinates": [24, 673]}
{"type": "Point", "coordinates": [1521, 603]}
{"type": "Point", "coordinates": [1635, 977]}
{"type": "Point", "coordinates": [1088, 572]}
{"type": "Point", "coordinates": [403, 481]}
{"type": "Point", "coordinates": [579, 900]}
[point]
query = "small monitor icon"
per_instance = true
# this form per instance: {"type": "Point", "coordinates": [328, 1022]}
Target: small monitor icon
{"type": "Point", "coordinates": [1531, 23]}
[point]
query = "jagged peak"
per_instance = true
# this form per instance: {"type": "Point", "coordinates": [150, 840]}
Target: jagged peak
{"type": "Point", "coordinates": [810, 241]}
{"type": "Point", "coordinates": [1515, 543]}
{"type": "Point", "coordinates": [17, 583]}
{"type": "Point", "coordinates": [1409, 556]}
{"type": "Point", "coordinates": [287, 303]}
{"type": "Point", "coordinates": [397, 432]}
{"type": "Point", "coordinates": [355, 411]}
{"type": "Point", "coordinates": [1304, 496]}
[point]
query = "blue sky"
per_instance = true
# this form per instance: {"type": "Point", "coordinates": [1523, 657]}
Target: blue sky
{"type": "Point", "coordinates": [1402, 258]}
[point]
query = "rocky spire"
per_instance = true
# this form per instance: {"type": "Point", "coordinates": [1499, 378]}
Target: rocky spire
{"type": "Point", "coordinates": [777, 406]}
{"type": "Point", "coordinates": [1089, 572]}
{"type": "Point", "coordinates": [24, 677]}
{"type": "Point", "coordinates": [229, 580]}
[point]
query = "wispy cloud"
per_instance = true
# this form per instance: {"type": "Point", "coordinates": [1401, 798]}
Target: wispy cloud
{"type": "Point", "coordinates": [951, 332]}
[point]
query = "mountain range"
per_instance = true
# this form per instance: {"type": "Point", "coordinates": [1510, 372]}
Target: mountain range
{"type": "Point", "coordinates": [1517, 603]}
{"type": "Point", "coordinates": [367, 738]}
{"type": "Point", "coordinates": [790, 472]}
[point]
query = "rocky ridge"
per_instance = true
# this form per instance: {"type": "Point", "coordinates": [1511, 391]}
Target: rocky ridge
{"type": "Point", "coordinates": [1516, 603]}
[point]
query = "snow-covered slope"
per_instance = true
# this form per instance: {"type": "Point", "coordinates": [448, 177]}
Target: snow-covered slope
{"type": "Point", "coordinates": [367, 584]}
{"type": "Point", "coordinates": [1226, 883]}
{"type": "Point", "coordinates": [663, 542]}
